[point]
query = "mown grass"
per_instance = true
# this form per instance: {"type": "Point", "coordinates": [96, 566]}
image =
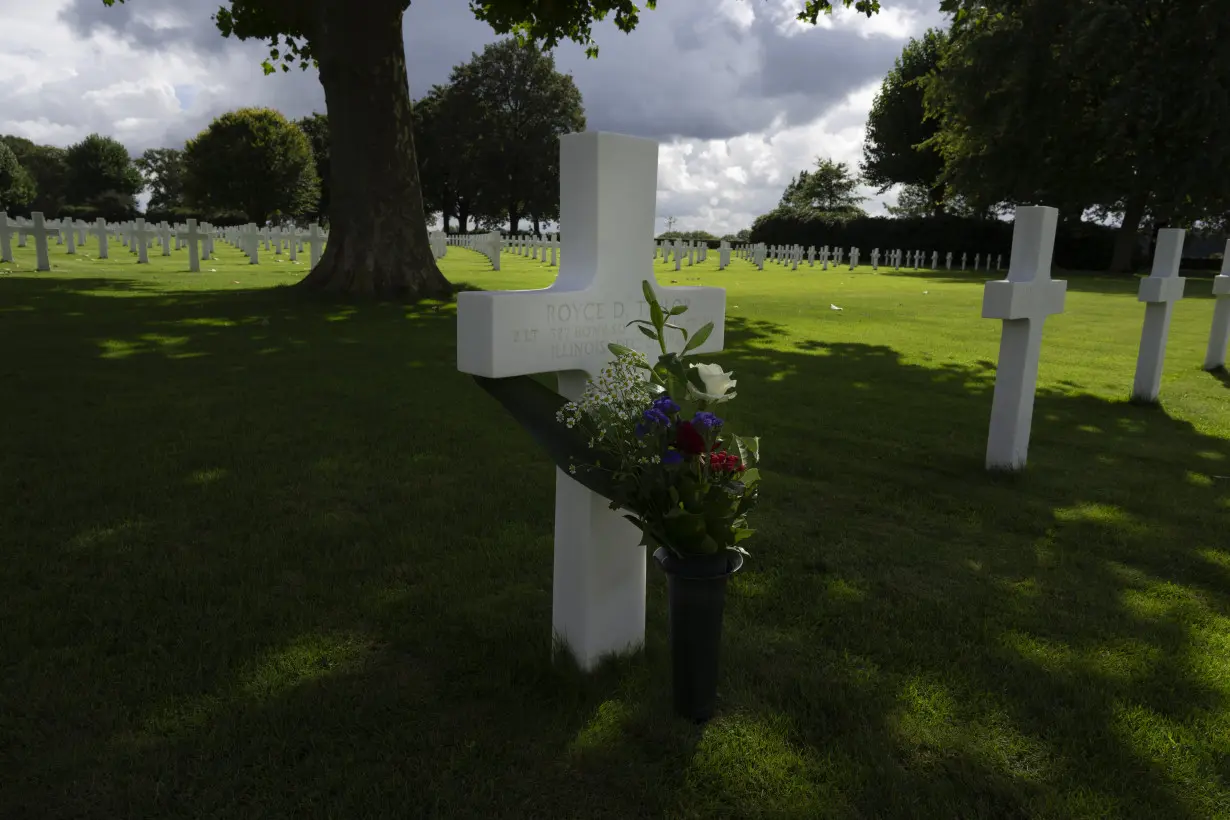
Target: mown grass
{"type": "Point", "coordinates": [266, 556]}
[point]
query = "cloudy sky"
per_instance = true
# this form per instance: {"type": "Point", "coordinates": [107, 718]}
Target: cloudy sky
{"type": "Point", "coordinates": [740, 95]}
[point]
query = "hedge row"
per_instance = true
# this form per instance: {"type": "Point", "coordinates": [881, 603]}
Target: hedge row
{"type": "Point", "coordinates": [1080, 247]}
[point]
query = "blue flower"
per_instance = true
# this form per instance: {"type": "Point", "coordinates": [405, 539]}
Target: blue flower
{"type": "Point", "coordinates": [706, 420]}
{"type": "Point", "coordinates": [640, 430]}
{"type": "Point", "coordinates": [666, 404]}
{"type": "Point", "coordinates": [655, 416]}
{"type": "Point", "coordinates": [672, 457]}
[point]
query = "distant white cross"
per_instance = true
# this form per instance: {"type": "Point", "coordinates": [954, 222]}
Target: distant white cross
{"type": "Point", "coordinates": [316, 243]}
{"type": "Point", "coordinates": [141, 235]}
{"type": "Point", "coordinates": [99, 230]}
{"type": "Point", "coordinates": [1219, 336]}
{"type": "Point", "coordinates": [1159, 291]}
{"type": "Point", "coordinates": [7, 231]}
{"type": "Point", "coordinates": [40, 230]}
{"type": "Point", "coordinates": [608, 185]}
{"type": "Point", "coordinates": [1023, 301]}
{"type": "Point", "coordinates": [193, 236]}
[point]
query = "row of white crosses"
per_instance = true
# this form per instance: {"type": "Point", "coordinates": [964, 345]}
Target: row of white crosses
{"type": "Point", "coordinates": [488, 244]}
{"type": "Point", "coordinates": [691, 250]}
{"type": "Point", "coordinates": [250, 238]}
{"type": "Point", "coordinates": [534, 247]}
{"type": "Point", "coordinates": [139, 236]}
{"type": "Point", "coordinates": [1028, 296]}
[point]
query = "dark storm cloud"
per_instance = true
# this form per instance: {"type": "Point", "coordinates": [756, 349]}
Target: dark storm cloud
{"type": "Point", "coordinates": [180, 23]}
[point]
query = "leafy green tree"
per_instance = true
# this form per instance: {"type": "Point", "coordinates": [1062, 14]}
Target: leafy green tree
{"type": "Point", "coordinates": [896, 149]}
{"type": "Point", "coordinates": [449, 138]}
{"type": "Point", "coordinates": [47, 167]}
{"type": "Point", "coordinates": [101, 178]}
{"type": "Point", "coordinates": [378, 235]}
{"type": "Point", "coordinates": [164, 171]}
{"type": "Point", "coordinates": [521, 106]}
{"type": "Point", "coordinates": [252, 160]}
{"type": "Point", "coordinates": [913, 201]}
{"type": "Point", "coordinates": [16, 184]}
{"type": "Point", "coordinates": [1087, 104]}
{"type": "Point", "coordinates": [687, 236]}
{"type": "Point", "coordinates": [829, 188]}
{"type": "Point", "coordinates": [316, 127]}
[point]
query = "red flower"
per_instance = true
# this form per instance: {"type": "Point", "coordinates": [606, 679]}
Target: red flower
{"type": "Point", "coordinates": [724, 462]}
{"type": "Point", "coordinates": [688, 440]}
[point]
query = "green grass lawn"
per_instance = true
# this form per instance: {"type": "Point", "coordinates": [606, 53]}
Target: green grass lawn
{"type": "Point", "coordinates": [265, 557]}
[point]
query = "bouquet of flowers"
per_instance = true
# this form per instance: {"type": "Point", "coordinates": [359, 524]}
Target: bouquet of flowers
{"type": "Point", "coordinates": [659, 449]}
{"type": "Point", "coordinates": [645, 436]}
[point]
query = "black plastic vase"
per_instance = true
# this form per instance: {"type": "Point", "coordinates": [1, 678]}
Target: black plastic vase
{"type": "Point", "coordinates": [696, 594]}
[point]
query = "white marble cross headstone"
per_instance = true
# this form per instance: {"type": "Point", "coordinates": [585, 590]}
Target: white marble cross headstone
{"type": "Point", "coordinates": [948, 261]}
{"type": "Point", "coordinates": [40, 230]}
{"type": "Point", "coordinates": [608, 186]}
{"type": "Point", "coordinates": [935, 260]}
{"type": "Point", "coordinates": [1159, 291]}
{"type": "Point", "coordinates": [963, 255]}
{"type": "Point", "coordinates": [1219, 336]}
{"type": "Point", "coordinates": [99, 230]}
{"type": "Point", "coordinates": [7, 230]}
{"type": "Point", "coordinates": [1023, 301]}
{"type": "Point", "coordinates": [192, 235]}
{"type": "Point", "coordinates": [875, 258]}
{"type": "Point", "coordinates": [141, 234]}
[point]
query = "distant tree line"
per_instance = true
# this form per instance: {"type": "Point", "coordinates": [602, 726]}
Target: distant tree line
{"type": "Point", "coordinates": [1096, 107]}
{"type": "Point", "coordinates": [487, 147]}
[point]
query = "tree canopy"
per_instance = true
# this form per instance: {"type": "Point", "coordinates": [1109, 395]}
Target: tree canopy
{"type": "Point", "coordinates": [831, 187]}
{"type": "Point", "coordinates": [896, 149]}
{"type": "Point", "coordinates": [316, 126]}
{"type": "Point", "coordinates": [1086, 104]}
{"type": "Point", "coordinates": [252, 160]}
{"type": "Point", "coordinates": [164, 173]}
{"type": "Point", "coordinates": [16, 184]}
{"type": "Point", "coordinates": [514, 106]}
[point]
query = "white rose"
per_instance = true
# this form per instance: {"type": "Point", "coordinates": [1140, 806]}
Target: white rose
{"type": "Point", "coordinates": [719, 386]}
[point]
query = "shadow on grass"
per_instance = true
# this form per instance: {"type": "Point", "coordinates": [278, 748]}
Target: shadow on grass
{"type": "Point", "coordinates": [273, 556]}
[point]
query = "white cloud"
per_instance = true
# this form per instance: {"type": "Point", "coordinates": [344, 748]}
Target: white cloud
{"type": "Point", "coordinates": [779, 92]}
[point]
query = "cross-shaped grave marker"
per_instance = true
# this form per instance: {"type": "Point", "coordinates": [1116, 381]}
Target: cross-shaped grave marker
{"type": "Point", "coordinates": [7, 230]}
{"type": "Point", "coordinates": [1159, 291]}
{"type": "Point", "coordinates": [164, 237]}
{"type": "Point", "coordinates": [141, 235]}
{"type": "Point", "coordinates": [99, 229]}
{"type": "Point", "coordinates": [316, 243]}
{"type": "Point", "coordinates": [608, 185]}
{"type": "Point", "coordinates": [192, 235]}
{"type": "Point", "coordinates": [40, 230]}
{"type": "Point", "coordinates": [1219, 336]}
{"type": "Point", "coordinates": [1023, 301]}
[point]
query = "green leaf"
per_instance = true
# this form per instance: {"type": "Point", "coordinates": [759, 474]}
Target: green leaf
{"type": "Point", "coordinates": [750, 477]}
{"type": "Point", "coordinates": [647, 289]}
{"type": "Point", "coordinates": [677, 327]}
{"type": "Point", "coordinates": [742, 534]}
{"type": "Point", "coordinates": [619, 350]}
{"type": "Point", "coordinates": [647, 332]}
{"type": "Point", "coordinates": [656, 316]}
{"type": "Point", "coordinates": [677, 310]}
{"type": "Point", "coordinates": [699, 337]}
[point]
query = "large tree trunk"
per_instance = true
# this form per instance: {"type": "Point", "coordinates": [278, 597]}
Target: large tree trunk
{"type": "Point", "coordinates": [1125, 239]}
{"type": "Point", "coordinates": [514, 220]}
{"type": "Point", "coordinates": [378, 237]}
